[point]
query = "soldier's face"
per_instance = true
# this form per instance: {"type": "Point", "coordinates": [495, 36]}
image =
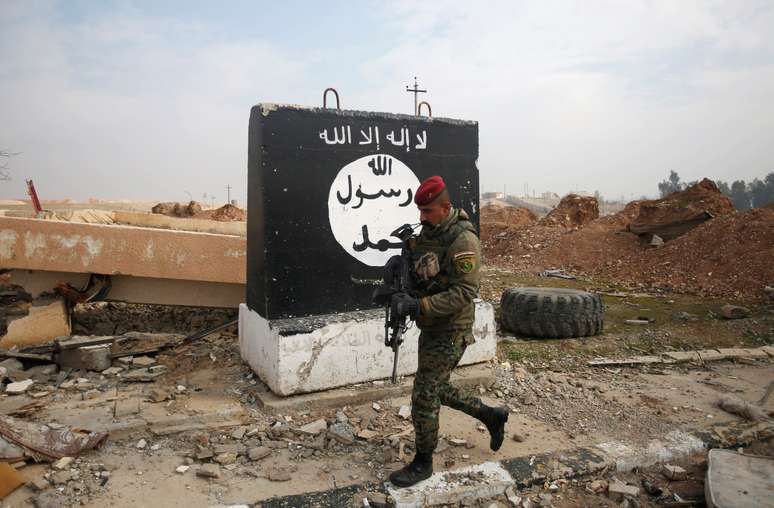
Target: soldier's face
{"type": "Point", "coordinates": [434, 213]}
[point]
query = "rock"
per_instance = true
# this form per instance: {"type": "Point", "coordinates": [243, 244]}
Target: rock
{"type": "Point", "coordinates": [225, 458]}
{"type": "Point", "coordinates": [50, 499]}
{"type": "Point", "coordinates": [203, 453]}
{"type": "Point", "coordinates": [617, 491]}
{"type": "Point", "coordinates": [19, 387]}
{"type": "Point", "coordinates": [597, 486]}
{"type": "Point", "coordinates": [258, 453]}
{"type": "Point", "coordinates": [155, 447]}
{"type": "Point", "coordinates": [341, 417]}
{"type": "Point", "coordinates": [63, 463]}
{"type": "Point", "coordinates": [457, 441]}
{"type": "Point", "coordinates": [377, 500]}
{"type": "Point", "coordinates": [238, 433]}
{"type": "Point", "coordinates": [236, 449]}
{"type": "Point", "coordinates": [404, 412]}
{"type": "Point", "coordinates": [209, 471]}
{"type": "Point", "coordinates": [671, 472]}
{"type": "Point", "coordinates": [734, 312]}
{"type": "Point", "coordinates": [182, 469]}
{"type": "Point", "coordinates": [314, 427]}
{"type": "Point", "coordinates": [376, 407]}
{"type": "Point", "coordinates": [278, 474]}
{"type": "Point", "coordinates": [512, 497]}
{"type": "Point", "coordinates": [141, 444]}
{"type": "Point", "coordinates": [12, 364]}
{"type": "Point", "coordinates": [656, 241]}
{"type": "Point", "coordinates": [38, 484]}
{"type": "Point", "coordinates": [143, 361]}
{"type": "Point", "coordinates": [42, 370]}
{"type": "Point", "coordinates": [517, 437]}
{"type": "Point", "coordinates": [61, 477]}
{"type": "Point", "coordinates": [112, 371]}
{"type": "Point", "coordinates": [342, 432]}
{"type": "Point", "coordinates": [158, 395]}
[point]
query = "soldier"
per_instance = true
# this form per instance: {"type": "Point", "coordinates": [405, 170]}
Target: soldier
{"type": "Point", "coordinates": [447, 259]}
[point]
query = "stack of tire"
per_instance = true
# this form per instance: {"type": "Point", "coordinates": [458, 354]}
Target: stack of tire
{"type": "Point", "coordinates": [554, 313]}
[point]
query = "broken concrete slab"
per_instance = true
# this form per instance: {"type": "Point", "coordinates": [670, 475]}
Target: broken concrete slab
{"type": "Point", "coordinates": [19, 387]}
{"type": "Point", "coordinates": [738, 480]}
{"type": "Point", "coordinates": [671, 472]}
{"type": "Point", "coordinates": [618, 490]}
{"type": "Point", "coordinates": [485, 480]}
{"type": "Point", "coordinates": [44, 323]}
{"type": "Point", "coordinates": [208, 471]}
{"type": "Point", "coordinates": [314, 428]}
{"type": "Point", "coordinates": [96, 358]}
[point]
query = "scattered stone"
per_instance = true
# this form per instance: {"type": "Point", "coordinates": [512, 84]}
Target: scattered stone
{"type": "Point", "coordinates": [342, 432]}
{"type": "Point", "coordinates": [458, 441]}
{"type": "Point", "coordinates": [91, 394]}
{"type": "Point", "coordinates": [12, 364]}
{"type": "Point", "coordinates": [141, 444]}
{"type": "Point", "coordinates": [617, 491]}
{"type": "Point", "coordinates": [238, 433]}
{"type": "Point", "coordinates": [518, 437]}
{"type": "Point", "coordinates": [258, 453]}
{"type": "Point", "coordinates": [225, 458]}
{"type": "Point", "coordinates": [278, 474]}
{"type": "Point", "coordinates": [19, 387]}
{"type": "Point", "coordinates": [236, 449]}
{"type": "Point", "coordinates": [181, 388]}
{"type": "Point", "coordinates": [203, 453]}
{"type": "Point", "coordinates": [656, 241]}
{"type": "Point", "coordinates": [143, 361]}
{"type": "Point", "coordinates": [314, 427]}
{"type": "Point", "coordinates": [209, 471]}
{"type": "Point", "coordinates": [63, 463]}
{"type": "Point", "coordinates": [156, 447]}
{"type": "Point", "coordinates": [376, 407]}
{"type": "Point", "coordinates": [734, 312]}
{"type": "Point", "coordinates": [514, 499]}
{"type": "Point", "coordinates": [50, 499]}
{"type": "Point", "coordinates": [61, 477]}
{"type": "Point", "coordinates": [44, 371]}
{"type": "Point", "coordinates": [158, 395]}
{"type": "Point", "coordinates": [597, 486]}
{"type": "Point", "coordinates": [112, 371]}
{"type": "Point", "coordinates": [671, 472]}
{"type": "Point", "coordinates": [126, 407]}
{"type": "Point", "coordinates": [182, 469]}
{"type": "Point", "coordinates": [377, 500]}
{"type": "Point", "coordinates": [38, 484]}
{"type": "Point", "coordinates": [404, 412]}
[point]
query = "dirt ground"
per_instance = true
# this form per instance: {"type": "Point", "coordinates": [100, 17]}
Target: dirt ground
{"type": "Point", "coordinates": [209, 406]}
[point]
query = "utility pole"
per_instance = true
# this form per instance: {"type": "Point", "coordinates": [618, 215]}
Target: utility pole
{"type": "Point", "coordinates": [416, 91]}
{"type": "Point", "coordinates": [228, 193]}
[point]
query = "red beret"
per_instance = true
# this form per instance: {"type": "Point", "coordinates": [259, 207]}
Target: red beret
{"type": "Point", "coordinates": [429, 190]}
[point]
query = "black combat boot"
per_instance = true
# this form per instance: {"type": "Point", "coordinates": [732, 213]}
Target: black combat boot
{"type": "Point", "coordinates": [494, 418]}
{"type": "Point", "coordinates": [421, 468]}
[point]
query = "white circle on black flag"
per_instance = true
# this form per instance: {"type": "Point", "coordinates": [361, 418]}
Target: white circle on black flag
{"type": "Point", "coordinates": [370, 198]}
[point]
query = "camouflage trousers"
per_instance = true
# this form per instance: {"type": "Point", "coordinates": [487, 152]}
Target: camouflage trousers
{"type": "Point", "coordinates": [439, 353]}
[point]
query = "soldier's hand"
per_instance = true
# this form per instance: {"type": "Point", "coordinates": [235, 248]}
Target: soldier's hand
{"type": "Point", "coordinates": [405, 305]}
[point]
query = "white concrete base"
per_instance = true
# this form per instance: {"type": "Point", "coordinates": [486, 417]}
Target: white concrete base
{"type": "Point", "coordinates": [481, 481]}
{"type": "Point", "coordinates": [341, 353]}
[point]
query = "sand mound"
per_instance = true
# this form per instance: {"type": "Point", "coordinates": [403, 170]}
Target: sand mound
{"type": "Point", "coordinates": [572, 211]}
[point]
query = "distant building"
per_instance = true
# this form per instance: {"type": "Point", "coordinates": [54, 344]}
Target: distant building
{"type": "Point", "coordinates": [549, 195]}
{"type": "Point", "coordinates": [492, 195]}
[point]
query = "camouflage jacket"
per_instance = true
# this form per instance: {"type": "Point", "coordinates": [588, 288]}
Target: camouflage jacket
{"type": "Point", "coordinates": [447, 260]}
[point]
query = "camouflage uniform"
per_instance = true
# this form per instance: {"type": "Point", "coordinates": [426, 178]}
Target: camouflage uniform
{"type": "Point", "coordinates": [445, 320]}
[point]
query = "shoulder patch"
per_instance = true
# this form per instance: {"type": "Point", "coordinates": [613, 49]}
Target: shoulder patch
{"type": "Point", "coordinates": [464, 254]}
{"type": "Point", "coordinates": [465, 262]}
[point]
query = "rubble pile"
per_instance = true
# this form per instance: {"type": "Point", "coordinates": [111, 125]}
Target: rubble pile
{"type": "Point", "coordinates": [226, 213]}
{"type": "Point", "coordinates": [729, 255]}
{"type": "Point", "coordinates": [572, 211]}
{"type": "Point", "coordinates": [116, 318]}
{"type": "Point", "coordinates": [679, 212]}
{"type": "Point", "coordinates": [175, 209]}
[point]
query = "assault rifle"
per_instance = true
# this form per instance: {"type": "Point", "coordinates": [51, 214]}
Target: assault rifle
{"type": "Point", "coordinates": [397, 279]}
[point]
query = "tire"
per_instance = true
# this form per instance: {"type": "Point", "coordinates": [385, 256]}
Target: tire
{"type": "Point", "coordinates": [554, 313]}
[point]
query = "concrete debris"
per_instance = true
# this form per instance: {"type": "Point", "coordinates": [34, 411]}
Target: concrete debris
{"type": "Point", "coordinates": [238, 433]}
{"type": "Point", "coordinates": [225, 458]}
{"type": "Point", "coordinates": [656, 241]}
{"type": "Point", "coordinates": [158, 395]}
{"type": "Point", "coordinates": [141, 444]}
{"type": "Point", "coordinates": [126, 407]}
{"type": "Point", "coordinates": [404, 412]}
{"type": "Point", "coordinates": [278, 474]}
{"type": "Point", "coordinates": [618, 490]}
{"type": "Point", "coordinates": [208, 471]}
{"type": "Point", "coordinates": [12, 364]}
{"type": "Point", "coordinates": [734, 312]}
{"type": "Point", "coordinates": [38, 484]}
{"type": "Point", "coordinates": [341, 417]}
{"type": "Point", "coordinates": [367, 434]}
{"type": "Point", "coordinates": [19, 387]}
{"type": "Point", "coordinates": [143, 361]}
{"type": "Point", "coordinates": [376, 407]}
{"type": "Point", "coordinates": [43, 442]}
{"type": "Point", "coordinates": [674, 473]}
{"type": "Point", "coordinates": [182, 469]}
{"type": "Point", "coordinates": [96, 357]}
{"type": "Point", "coordinates": [62, 463]}
{"type": "Point", "coordinates": [314, 428]}
{"type": "Point", "coordinates": [258, 453]}
{"type": "Point", "coordinates": [342, 432]}
{"type": "Point", "coordinates": [50, 499]}
{"type": "Point", "coordinates": [597, 486]}
{"type": "Point", "coordinates": [112, 371]}
{"type": "Point", "coordinates": [458, 441]}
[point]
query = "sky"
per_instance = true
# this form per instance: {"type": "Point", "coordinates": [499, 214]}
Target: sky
{"type": "Point", "coordinates": [151, 100]}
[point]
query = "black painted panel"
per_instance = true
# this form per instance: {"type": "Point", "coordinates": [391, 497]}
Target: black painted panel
{"type": "Point", "coordinates": [317, 177]}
